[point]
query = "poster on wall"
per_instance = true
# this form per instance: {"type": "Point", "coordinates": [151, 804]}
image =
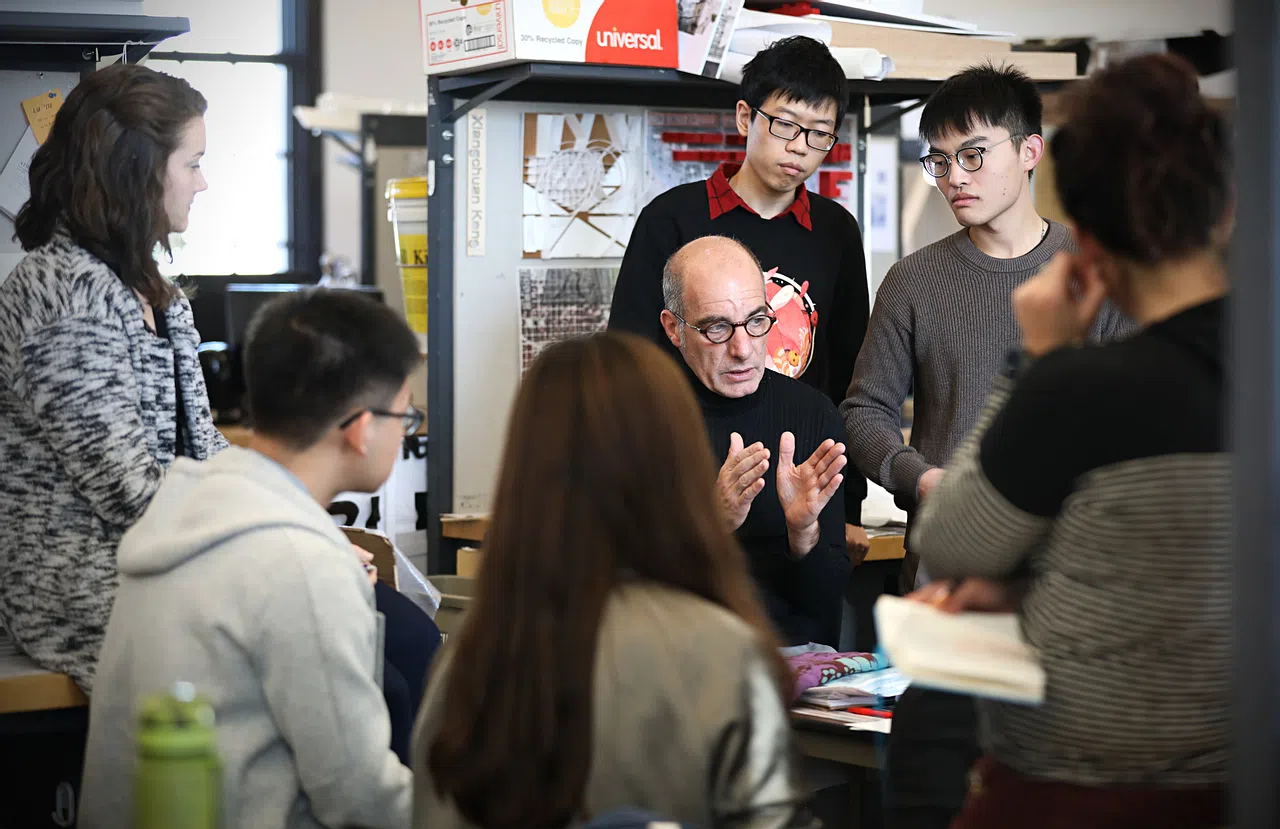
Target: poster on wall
{"type": "Point", "coordinates": [882, 194]}
{"type": "Point", "coordinates": [583, 183]}
{"type": "Point", "coordinates": [477, 197]}
{"type": "Point", "coordinates": [696, 21]}
{"type": "Point", "coordinates": [561, 303]}
{"type": "Point", "coordinates": [688, 146]}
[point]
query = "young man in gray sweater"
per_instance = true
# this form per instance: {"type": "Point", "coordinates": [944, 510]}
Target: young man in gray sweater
{"type": "Point", "coordinates": [941, 326]}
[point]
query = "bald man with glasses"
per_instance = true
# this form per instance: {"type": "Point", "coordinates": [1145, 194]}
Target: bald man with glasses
{"type": "Point", "coordinates": [780, 442]}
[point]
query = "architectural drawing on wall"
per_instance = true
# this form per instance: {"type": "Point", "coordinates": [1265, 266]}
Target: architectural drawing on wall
{"type": "Point", "coordinates": [697, 27]}
{"type": "Point", "coordinates": [883, 170]}
{"type": "Point", "coordinates": [697, 16]}
{"type": "Point", "coordinates": [688, 146]}
{"type": "Point", "coordinates": [669, 147]}
{"type": "Point", "coordinates": [583, 184]}
{"type": "Point", "coordinates": [560, 303]}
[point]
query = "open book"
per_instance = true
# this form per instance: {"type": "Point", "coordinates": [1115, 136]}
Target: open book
{"type": "Point", "coordinates": [982, 654]}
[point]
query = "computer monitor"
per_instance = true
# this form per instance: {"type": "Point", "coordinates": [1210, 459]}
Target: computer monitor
{"type": "Point", "coordinates": [223, 311]}
{"type": "Point", "coordinates": [243, 299]}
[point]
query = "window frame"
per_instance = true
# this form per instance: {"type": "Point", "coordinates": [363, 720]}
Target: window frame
{"type": "Point", "coordinates": [301, 55]}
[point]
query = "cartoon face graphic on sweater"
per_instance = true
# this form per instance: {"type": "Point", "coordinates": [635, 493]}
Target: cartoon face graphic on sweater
{"type": "Point", "coordinates": [790, 346]}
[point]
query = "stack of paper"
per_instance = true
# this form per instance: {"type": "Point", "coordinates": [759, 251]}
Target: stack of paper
{"type": "Point", "coordinates": [854, 722]}
{"type": "Point", "coordinates": [983, 654]}
{"type": "Point", "coordinates": [15, 185]}
{"type": "Point", "coordinates": [15, 182]}
{"type": "Point", "coordinates": [868, 688]}
{"type": "Point", "coordinates": [876, 10]}
{"type": "Point", "coordinates": [754, 31]}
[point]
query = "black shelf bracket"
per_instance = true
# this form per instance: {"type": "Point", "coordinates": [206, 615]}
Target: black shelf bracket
{"type": "Point", "coordinates": [76, 42]}
{"type": "Point", "coordinates": [896, 115]}
{"type": "Point", "coordinates": [488, 94]}
{"type": "Point", "coordinates": [345, 140]}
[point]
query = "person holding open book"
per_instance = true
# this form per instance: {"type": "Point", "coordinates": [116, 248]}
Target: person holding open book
{"type": "Point", "coordinates": [1093, 496]}
{"type": "Point", "coordinates": [940, 328]}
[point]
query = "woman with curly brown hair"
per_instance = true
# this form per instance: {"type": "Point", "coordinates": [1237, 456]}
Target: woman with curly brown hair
{"type": "Point", "coordinates": [100, 387]}
{"type": "Point", "coordinates": [1094, 496]}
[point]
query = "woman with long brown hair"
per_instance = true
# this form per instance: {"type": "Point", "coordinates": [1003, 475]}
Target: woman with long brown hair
{"type": "Point", "coordinates": [100, 386]}
{"type": "Point", "coordinates": [615, 654]}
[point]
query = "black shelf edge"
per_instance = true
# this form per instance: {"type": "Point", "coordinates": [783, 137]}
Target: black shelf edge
{"type": "Point", "coordinates": [51, 40]}
{"type": "Point", "coordinates": [583, 83]}
{"type": "Point", "coordinates": [576, 83]}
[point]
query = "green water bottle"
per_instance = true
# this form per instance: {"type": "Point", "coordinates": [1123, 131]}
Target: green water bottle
{"type": "Point", "coordinates": [177, 783]}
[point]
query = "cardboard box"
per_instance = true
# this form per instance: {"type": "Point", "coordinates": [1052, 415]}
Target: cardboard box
{"type": "Point", "coordinates": [464, 35]}
{"type": "Point", "coordinates": [384, 554]}
{"type": "Point", "coordinates": [468, 562]}
{"type": "Point", "coordinates": [1041, 66]}
{"type": "Point", "coordinates": [901, 44]}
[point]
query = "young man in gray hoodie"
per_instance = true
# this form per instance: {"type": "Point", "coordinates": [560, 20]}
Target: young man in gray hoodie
{"type": "Point", "coordinates": [237, 580]}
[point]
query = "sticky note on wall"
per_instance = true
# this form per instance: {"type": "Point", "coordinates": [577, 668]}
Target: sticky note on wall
{"type": "Point", "coordinates": [40, 111]}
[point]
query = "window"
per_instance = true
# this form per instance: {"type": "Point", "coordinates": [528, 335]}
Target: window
{"type": "Point", "coordinates": [252, 60]}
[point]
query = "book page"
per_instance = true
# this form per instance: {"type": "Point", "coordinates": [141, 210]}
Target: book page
{"type": "Point", "coordinates": [977, 653]}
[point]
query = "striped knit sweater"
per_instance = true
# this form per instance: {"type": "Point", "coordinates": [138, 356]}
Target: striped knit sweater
{"type": "Point", "coordinates": [87, 428]}
{"type": "Point", "coordinates": [1101, 474]}
{"type": "Point", "coordinates": [941, 325]}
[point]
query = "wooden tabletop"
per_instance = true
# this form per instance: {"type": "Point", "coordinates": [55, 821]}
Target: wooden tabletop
{"type": "Point", "coordinates": [836, 743]}
{"type": "Point", "coordinates": [886, 545]}
{"type": "Point", "coordinates": [236, 435]}
{"type": "Point", "coordinates": [25, 686]}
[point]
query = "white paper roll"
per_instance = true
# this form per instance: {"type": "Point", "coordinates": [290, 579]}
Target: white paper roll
{"type": "Point", "coordinates": [759, 30]}
{"type": "Point", "coordinates": [857, 63]}
{"type": "Point", "coordinates": [860, 62]}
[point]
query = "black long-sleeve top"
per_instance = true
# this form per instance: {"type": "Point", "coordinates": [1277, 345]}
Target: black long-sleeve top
{"type": "Point", "coordinates": [803, 595]}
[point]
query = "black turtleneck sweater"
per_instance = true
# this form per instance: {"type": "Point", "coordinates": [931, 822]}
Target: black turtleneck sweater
{"type": "Point", "coordinates": [802, 595]}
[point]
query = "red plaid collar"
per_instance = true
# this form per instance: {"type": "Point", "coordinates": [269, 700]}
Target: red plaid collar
{"type": "Point", "coordinates": [723, 198]}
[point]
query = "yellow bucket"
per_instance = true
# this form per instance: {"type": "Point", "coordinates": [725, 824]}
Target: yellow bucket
{"type": "Point", "coordinates": [407, 211]}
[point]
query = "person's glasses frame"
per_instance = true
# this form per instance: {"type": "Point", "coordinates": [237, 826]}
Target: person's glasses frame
{"type": "Point", "coordinates": [820, 140]}
{"type": "Point", "coordinates": [719, 333]}
{"type": "Point", "coordinates": [970, 159]}
{"type": "Point", "coordinates": [411, 420]}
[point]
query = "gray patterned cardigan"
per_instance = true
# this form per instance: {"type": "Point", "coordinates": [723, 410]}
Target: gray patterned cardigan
{"type": "Point", "coordinates": [87, 429]}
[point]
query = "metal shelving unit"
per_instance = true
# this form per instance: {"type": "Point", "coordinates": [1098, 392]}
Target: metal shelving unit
{"type": "Point", "coordinates": [1255, 419]}
{"type": "Point", "coordinates": [378, 130]}
{"type": "Point", "coordinates": [450, 98]}
{"type": "Point", "coordinates": [51, 41]}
